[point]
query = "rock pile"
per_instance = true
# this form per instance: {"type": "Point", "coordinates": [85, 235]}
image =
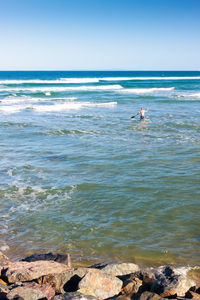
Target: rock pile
{"type": "Point", "coordinates": [52, 277]}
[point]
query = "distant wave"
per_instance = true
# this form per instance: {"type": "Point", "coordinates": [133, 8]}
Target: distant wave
{"type": "Point", "coordinates": [145, 90]}
{"type": "Point", "coordinates": [63, 88]}
{"type": "Point", "coordinates": [27, 99]}
{"type": "Point", "coordinates": [10, 109]}
{"type": "Point", "coordinates": [149, 78]}
{"type": "Point", "coordinates": [93, 80]}
{"type": "Point", "coordinates": [69, 106]}
{"type": "Point", "coordinates": [195, 95]}
{"type": "Point", "coordinates": [57, 81]}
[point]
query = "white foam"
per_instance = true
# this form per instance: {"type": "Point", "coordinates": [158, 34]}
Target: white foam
{"type": "Point", "coordinates": [195, 95]}
{"type": "Point", "coordinates": [79, 80]}
{"type": "Point", "coordinates": [149, 78]}
{"type": "Point", "coordinates": [63, 88]}
{"type": "Point", "coordinates": [94, 80]}
{"type": "Point", "coordinates": [4, 247]}
{"type": "Point", "coordinates": [27, 99]}
{"type": "Point", "coordinates": [57, 81]}
{"type": "Point", "coordinates": [145, 90]}
{"type": "Point", "coordinates": [11, 109]}
{"type": "Point", "coordinates": [69, 106]}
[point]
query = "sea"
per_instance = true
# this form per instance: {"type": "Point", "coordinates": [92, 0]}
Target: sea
{"type": "Point", "coordinates": [82, 174]}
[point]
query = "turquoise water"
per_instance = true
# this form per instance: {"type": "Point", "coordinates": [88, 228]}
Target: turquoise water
{"type": "Point", "coordinates": [79, 175]}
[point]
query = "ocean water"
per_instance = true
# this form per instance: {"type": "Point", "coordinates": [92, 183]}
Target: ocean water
{"type": "Point", "coordinates": [79, 175]}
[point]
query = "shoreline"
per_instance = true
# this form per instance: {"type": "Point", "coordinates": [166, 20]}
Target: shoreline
{"type": "Point", "coordinates": [56, 276]}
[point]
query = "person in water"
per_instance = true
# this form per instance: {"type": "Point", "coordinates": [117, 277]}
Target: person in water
{"type": "Point", "coordinates": [142, 113]}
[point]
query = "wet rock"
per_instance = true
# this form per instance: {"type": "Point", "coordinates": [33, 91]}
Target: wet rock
{"type": "Point", "coordinates": [65, 281]}
{"type": "Point", "coordinates": [100, 284]}
{"type": "Point", "coordinates": [61, 258]}
{"type": "Point", "coordinates": [73, 296]}
{"type": "Point", "coordinates": [25, 293]}
{"type": "Point", "coordinates": [149, 296]}
{"type": "Point", "coordinates": [170, 283]}
{"type": "Point", "coordinates": [27, 271]}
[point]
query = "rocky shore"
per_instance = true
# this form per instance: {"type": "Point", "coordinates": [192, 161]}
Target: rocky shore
{"type": "Point", "coordinates": [52, 277]}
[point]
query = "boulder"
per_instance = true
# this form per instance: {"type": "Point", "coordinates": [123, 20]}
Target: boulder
{"type": "Point", "coordinates": [61, 258]}
{"type": "Point", "coordinates": [4, 260]}
{"type": "Point", "coordinates": [73, 296]}
{"type": "Point", "coordinates": [149, 296]}
{"type": "Point", "coordinates": [99, 284]}
{"type": "Point", "coordinates": [170, 283]}
{"type": "Point", "coordinates": [25, 293]}
{"type": "Point", "coordinates": [131, 287]}
{"type": "Point", "coordinates": [117, 269]}
{"type": "Point", "coordinates": [65, 281]}
{"type": "Point", "coordinates": [27, 271]}
{"type": "Point", "coordinates": [193, 295]}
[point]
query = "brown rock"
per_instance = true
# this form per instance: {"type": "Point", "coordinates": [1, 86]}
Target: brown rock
{"type": "Point", "coordinates": [131, 287]}
{"type": "Point", "coordinates": [4, 260]}
{"type": "Point", "coordinates": [123, 297]}
{"type": "Point", "coordinates": [149, 296]}
{"type": "Point", "coordinates": [193, 295]}
{"type": "Point", "coordinates": [27, 271]}
{"type": "Point", "coordinates": [99, 284]}
{"type": "Point", "coordinates": [65, 281]}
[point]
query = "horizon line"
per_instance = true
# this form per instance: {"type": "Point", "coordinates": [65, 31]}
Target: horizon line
{"type": "Point", "coordinates": [100, 70]}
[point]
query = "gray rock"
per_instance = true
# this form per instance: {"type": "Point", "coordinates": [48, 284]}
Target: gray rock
{"type": "Point", "coordinates": [25, 293]}
{"type": "Point", "coordinates": [99, 284]}
{"type": "Point", "coordinates": [119, 269]}
{"type": "Point", "coordinates": [169, 282]}
{"type": "Point", "coordinates": [73, 296]}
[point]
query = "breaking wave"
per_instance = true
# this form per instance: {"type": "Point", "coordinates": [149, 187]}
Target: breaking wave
{"type": "Point", "coordinates": [63, 88]}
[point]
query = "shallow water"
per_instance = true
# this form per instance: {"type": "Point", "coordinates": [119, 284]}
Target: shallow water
{"type": "Point", "coordinates": [79, 175]}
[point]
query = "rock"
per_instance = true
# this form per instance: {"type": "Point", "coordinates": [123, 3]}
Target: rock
{"type": "Point", "coordinates": [131, 287]}
{"type": "Point", "coordinates": [3, 290]}
{"type": "Point", "coordinates": [149, 296]}
{"type": "Point", "coordinates": [99, 284]}
{"type": "Point", "coordinates": [73, 296]}
{"type": "Point", "coordinates": [123, 297]}
{"type": "Point", "coordinates": [25, 293]}
{"type": "Point", "coordinates": [61, 258]}
{"type": "Point", "coordinates": [118, 269]}
{"type": "Point", "coordinates": [65, 281]}
{"type": "Point", "coordinates": [46, 289]}
{"type": "Point", "coordinates": [4, 260]}
{"type": "Point", "coordinates": [170, 283]}
{"type": "Point", "coordinates": [27, 271]}
{"type": "Point", "coordinates": [192, 295]}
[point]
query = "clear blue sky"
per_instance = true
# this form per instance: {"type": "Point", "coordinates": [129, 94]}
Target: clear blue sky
{"type": "Point", "coordinates": [100, 34]}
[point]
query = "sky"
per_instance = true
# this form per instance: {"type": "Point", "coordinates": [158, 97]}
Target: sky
{"type": "Point", "coordinates": [99, 34]}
